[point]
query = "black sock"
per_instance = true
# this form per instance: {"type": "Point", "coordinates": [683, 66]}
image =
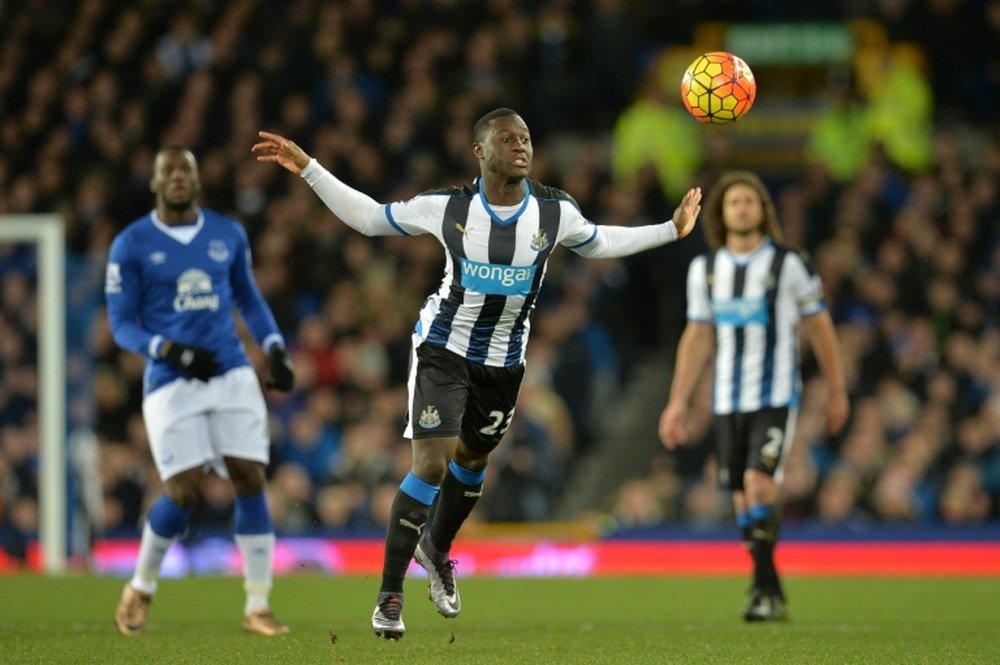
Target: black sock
{"type": "Point", "coordinates": [763, 538]}
{"type": "Point", "coordinates": [454, 503]}
{"type": "Point", "coordinates": [406, 522]}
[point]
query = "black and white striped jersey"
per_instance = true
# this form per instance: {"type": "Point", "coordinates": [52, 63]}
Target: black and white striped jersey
{"type": "Point", "coordinates": [495, 264]}
{"type": "Point", "coordinates": [755, 302]}
{"type": "Point", "coordinates": [495, 256]}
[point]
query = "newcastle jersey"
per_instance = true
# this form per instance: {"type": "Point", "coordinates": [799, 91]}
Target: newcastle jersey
{"type": "Point", "coordinates": [494, 265]}
{"type": "Point", "coordinates": [755, 303]}
{"type": "Point", "coordinates": [495, 256]}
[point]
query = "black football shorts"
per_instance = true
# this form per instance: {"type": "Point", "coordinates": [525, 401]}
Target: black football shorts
{"type": "Point", "coordinates": [451, 396]}
{"type": "Point", "coordinates": [758, 440]}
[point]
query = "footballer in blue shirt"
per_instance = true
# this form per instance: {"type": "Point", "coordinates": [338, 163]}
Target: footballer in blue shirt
{"type": "Point", "coordinates": [173, 278]}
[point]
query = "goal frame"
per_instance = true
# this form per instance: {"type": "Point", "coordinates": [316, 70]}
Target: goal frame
{"type": "Point", "coordinates": [45, 231]}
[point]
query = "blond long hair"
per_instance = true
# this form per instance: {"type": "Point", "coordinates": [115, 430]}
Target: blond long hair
{"type": "Point", "coordinates": [714, 226]}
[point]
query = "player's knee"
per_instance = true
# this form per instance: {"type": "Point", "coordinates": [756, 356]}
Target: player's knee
{"type": "Point", "coordinates": [431, 469]}
{"type": "Point", "coordinates": [431, 457]}
{"type": "Point", "coordinates": [184, 494]}
{"type": "Point", "coordinates": [759, 487]}
{"type": "Point", "coordinates": [246, 476]}
{"type": "Point", "coordinates": [470, 459]}
{"type": "Point", "coordinates": [430, 464]}
{"type": "Point", "coordinates": [184, 487]}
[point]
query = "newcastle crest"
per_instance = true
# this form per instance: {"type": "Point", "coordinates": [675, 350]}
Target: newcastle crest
{"type": "Point", "coordinates": [539, 241]}
{"type": "Point", "coordinates": [430, 418]}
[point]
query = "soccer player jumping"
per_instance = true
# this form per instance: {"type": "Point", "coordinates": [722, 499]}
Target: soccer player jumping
{"type": "Point", "coordinates": [173, 279]}
{"type": "Point", "coordinates": [745, 299]}
{"type": "Point", "coordinates": [467, 358]}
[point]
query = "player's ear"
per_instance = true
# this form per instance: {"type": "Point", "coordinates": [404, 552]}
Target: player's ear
{"type": "Point", "coordinates": [477, 150]}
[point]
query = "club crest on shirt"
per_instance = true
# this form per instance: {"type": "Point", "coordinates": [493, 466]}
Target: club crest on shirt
{"type": "Point", "coordinates": [539, 241]}
{"type": "Point", "coordinates": [430, 418]}
{"type": "Point", "coordinates": [217, 250]}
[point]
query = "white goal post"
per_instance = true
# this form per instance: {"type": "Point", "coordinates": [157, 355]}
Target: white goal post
{"type": "Point", "coordinates": [46, 232]}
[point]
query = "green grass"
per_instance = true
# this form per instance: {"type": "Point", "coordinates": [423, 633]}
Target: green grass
{"type": "Point", "coordinates": [605, 620]}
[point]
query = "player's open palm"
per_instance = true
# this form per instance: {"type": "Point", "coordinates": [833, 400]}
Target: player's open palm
{"type": "Point", "coordinates": [672, 431]}
{"type": "Point", "coordinates": [276, 148]}
{"type": "Point", "coordinates": [687, 212]}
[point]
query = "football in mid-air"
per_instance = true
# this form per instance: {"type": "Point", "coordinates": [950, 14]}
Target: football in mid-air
{"type": "Point", "coordinates": [718, 88]}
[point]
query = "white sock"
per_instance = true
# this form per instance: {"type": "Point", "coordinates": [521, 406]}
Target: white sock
{"type": "Point", "coordinates": [258, 559]}
{"type": "Point", "coordinates": [152, 549]}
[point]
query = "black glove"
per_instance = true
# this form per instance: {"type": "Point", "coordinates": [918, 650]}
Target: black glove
{"type": "Point", "coordinates": [196, 363]}
{"type": "Point", "coordinates": [282, 373]}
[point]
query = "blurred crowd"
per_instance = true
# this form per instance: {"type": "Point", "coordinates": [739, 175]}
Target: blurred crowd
{"type": "Point", "coordinates": [385, 95]}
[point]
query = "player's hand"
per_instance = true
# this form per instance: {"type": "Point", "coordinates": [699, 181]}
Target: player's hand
{"type": "Point", "coordinates": [838, 408]}
{"type": "Point", "coordinates": [687, 212]}
{"type": "Point", "coordinates": [282, 373]}
{"type": "Point", "coordinates": [194, 362]}
{"type": "Point", "coordinates": [276, 148]}
{"type": "Point", "coordinates": [672, 432]}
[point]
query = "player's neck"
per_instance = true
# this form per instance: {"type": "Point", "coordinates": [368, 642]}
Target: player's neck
{"type": "Point", "coordinates": [172, 217]}
{"type": "Point", "coordinates": [739, 243]}
{"type": "Point", "coordinates": [503, 192]}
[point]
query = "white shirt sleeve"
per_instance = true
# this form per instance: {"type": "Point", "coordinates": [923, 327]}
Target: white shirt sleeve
{"type": "Point", "coordinates": [806, 287]}
{"type": "Point", "coordinates": [604, 241]}
{"type": "Point", "coordinates": [356, 209]}
{"type": "Point", "coordinates": [699, 306]}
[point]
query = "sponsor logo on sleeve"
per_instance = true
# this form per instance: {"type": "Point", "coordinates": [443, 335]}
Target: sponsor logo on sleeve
{"type": "Point", "coordinates": [113, 278]}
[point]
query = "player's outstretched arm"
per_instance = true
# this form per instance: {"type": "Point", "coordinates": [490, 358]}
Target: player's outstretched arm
{"type": "Point", "coordinates": [687, 212]}
{"type": "Point", "coordinates": [356, 209]}
{"type": "Point", "coordinates": [609, 241]}
{"type": "Point", "coordinates": [279, 150]}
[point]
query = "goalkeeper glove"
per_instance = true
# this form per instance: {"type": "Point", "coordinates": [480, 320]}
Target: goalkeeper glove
{"type": "Point", "coordinates": [282, 373]}
{"type": "Point", "coordinates": [194, 362]}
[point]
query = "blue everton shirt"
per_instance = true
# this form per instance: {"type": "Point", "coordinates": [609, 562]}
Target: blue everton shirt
{"type": "Point", "coordinates": [182, 283]}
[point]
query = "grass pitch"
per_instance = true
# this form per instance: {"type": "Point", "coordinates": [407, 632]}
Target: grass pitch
{"type": "Point", "coordinates": [631, 621]}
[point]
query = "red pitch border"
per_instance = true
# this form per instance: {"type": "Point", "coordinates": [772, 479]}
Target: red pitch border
{"type": "Point", "coordinates": [538, 558]}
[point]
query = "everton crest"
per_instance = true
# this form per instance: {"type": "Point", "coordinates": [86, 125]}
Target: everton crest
{"type": "Point", "coordinates": [217, 250]}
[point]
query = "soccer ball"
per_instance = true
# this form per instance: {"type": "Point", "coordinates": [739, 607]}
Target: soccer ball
{"type": "Point", "coordinates": [718, 88]}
